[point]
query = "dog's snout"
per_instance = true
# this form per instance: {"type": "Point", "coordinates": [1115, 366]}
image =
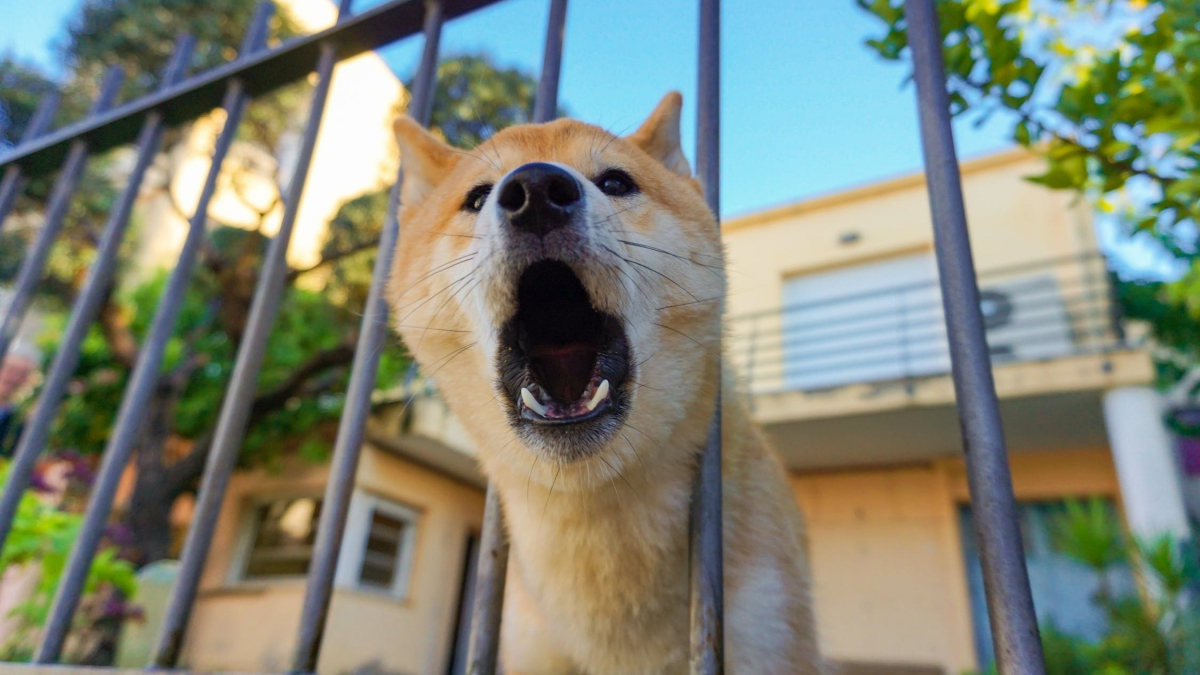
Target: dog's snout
{"type": "Point", "coordinates": [539, 198]}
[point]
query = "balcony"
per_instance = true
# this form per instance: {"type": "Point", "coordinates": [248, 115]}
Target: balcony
{"type": "Point", "coordinates": [860, 355]}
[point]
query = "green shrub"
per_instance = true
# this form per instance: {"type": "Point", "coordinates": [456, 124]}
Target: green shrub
{"type": "Point", "coordinates": [42, 536]}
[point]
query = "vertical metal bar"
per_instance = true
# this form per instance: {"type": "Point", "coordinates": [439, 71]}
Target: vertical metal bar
{"type": "Point", "coordinates": [87, 305]}
{"type": "Point", "coordinates": [490, 578]}
{"type": "Point", "coordinates": [145, 374]}
{"type": "Point", "coordinates": [706, 561]}
{"type": "Point", "coordinates": [1005, 579]}
{"type": "Point", "coordinates": [56, 212]}
{"type": "Point", "coordinates": [545, 107]}
{"type": "Point", "coordinates": [21, 470]}
{"type": "Point", "coordinates": [14, 178]}
{"type": "Point", "coordinates": [372, 333]}
{"type": "Point", "coordinates": [492, 570]}
{"type": "Point", "coordinates": [239, 397]}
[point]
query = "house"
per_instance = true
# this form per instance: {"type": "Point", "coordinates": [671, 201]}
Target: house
{"type": "Point", "coordinates": [837, 334]}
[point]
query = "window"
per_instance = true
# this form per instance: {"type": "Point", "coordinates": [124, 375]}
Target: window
{"type": "Point", "coordinates": [282, 534]}
{"type": "Point", "coordinates": [377, 550]}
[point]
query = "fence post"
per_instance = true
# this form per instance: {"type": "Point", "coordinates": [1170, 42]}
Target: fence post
{"type": "Point", "coordinates": [490, 577]}
{"type": "Point", "coordinates": [87, 305]}
{"type": "Point", "coordinates": [14, 178]}
{"type": "Point", "coordinates": [372, 333]}
{"type": "Point", "coordinates": [706, 550]}
{"type": "Point", "coordinates": [240, 394]}
{"type": "Point", "coordinates": [1006, 581]}
{"type": "Point", "coordinates": [24, 459]}
{"type": "Point", "coordinates": [65, 185]}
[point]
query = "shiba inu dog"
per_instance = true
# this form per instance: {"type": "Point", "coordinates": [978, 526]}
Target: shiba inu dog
{"type": "Point", "coordinates": [565, 287]}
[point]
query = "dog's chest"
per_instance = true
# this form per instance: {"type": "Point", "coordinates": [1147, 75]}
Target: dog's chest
{"type": "Point", "coordinates": [611, 594]}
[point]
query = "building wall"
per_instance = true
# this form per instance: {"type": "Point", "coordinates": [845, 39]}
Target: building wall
{"type": "Point", "coordinates": [251, 626]}
{"type": "Point", "coordinates": [1011, 221]}
{"type": "Point", "coordinates": [887, 559]}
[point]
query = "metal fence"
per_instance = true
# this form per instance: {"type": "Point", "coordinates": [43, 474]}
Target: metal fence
{"type": "Point", "coordinates": [257, 70]}
{"type": "Point", "coordinates": [1036, 311]}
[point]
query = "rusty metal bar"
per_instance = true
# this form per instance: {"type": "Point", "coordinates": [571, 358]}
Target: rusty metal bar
{"type": "Point", "coordinates": [258, 74]}
{"type": "Point", "coordinates": [35, 259]}
{"type": "Point", "coordinates": [239, 397]}
{"type": "Point", "coordinates": [484, 647]}
{"type": "Point", "coordinates": [706, 554]}
{"type": "Point", "coordinates": [87, 305]}
{"type": "Point", "coordinates": [14, 178]}
{"type": "Point", "coordinates": [1005, 579]}
{"type": "Point", "coordinates": [372, 333]}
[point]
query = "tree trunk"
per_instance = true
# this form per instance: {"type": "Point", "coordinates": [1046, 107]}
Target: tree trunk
{"type": "Point", "coordinates": [149, 513]}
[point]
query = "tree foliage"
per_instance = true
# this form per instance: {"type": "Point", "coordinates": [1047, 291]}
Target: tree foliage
{"type": "Point", "coordinates": [1107, 91]}
{"type": "Point", "coordinates": [302, 382]}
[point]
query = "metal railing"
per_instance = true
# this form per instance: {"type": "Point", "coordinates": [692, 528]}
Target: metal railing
{"type": "Point", "coordinates": [258, 70]}
{"type": "Point", "coordinates": [1032, 312]}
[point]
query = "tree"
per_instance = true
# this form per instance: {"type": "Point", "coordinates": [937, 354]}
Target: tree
{"type": "Point", "coordinates": [309, 351]}
{"type": "Point", "coordinates": [1107, 91]}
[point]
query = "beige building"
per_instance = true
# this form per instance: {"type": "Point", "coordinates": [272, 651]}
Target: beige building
{"type": "Point", "coordinates": [837, 335]}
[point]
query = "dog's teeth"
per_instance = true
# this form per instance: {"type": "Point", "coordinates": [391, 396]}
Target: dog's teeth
{"type": "Point", "coordinates": [600, 395]}
{"type": "Point", "coordinates": [532, 403]}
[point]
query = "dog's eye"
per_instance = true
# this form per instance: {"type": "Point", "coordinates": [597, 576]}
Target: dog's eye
{"type": "Point", "coordinates": [616, 183]}
{"type": "Point", "coordinates": [476, 197]}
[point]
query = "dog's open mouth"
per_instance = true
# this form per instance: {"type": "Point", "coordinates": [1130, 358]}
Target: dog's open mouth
{"type": "Point", "coordinates": [561, 361]}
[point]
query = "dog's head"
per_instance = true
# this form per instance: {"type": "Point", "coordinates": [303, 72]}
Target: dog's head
{"type": "Point", "coordinates": [562, 285]}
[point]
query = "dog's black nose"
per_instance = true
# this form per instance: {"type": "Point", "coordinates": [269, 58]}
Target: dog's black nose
{"type": "Point", "coordinates": [539, 198]}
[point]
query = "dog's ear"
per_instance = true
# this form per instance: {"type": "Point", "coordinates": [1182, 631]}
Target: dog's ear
{"type": "Point", "coordinates": [425, 158]}
{"type": "Point", "coordinates": [659, 135]}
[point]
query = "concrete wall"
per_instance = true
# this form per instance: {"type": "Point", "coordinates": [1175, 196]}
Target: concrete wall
{"type": "Point", "coordinates": [251, 626]}
{"type": "Point", "coordinates": [887, 560]}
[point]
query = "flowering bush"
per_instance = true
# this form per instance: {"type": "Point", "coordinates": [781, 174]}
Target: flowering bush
{"type": "Point", "coordinates": [41, 538]}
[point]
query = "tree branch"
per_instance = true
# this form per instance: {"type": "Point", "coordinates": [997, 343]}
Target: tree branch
{"type": "Point", "coordinates": [275, 399]}
{"type": "Point", "coordinates": [183, 473]}
{"type": "Point", "coordinates": [114, 325]}
{"type": "Point", "coordinates": [334, 257]}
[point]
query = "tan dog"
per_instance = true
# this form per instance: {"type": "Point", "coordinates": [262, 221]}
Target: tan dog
{"type": "Point", "coordinates": [565, 289]}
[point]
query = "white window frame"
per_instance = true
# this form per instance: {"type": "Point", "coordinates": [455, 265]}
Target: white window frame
{"type": "Point", "coordinates": [248, 530]}
{"type": "Point", "coordinates": [354, 545]}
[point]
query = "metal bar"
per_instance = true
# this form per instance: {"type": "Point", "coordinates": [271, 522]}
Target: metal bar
{"type": "Point", "coordinates": [143, 380]}
{"type": "Point", "coordinates": [14, 178]}
{"type": "Point", "coordinates": [87, 305]}
{"type": "Point", "coordinates": [706, 562]}
{"type": "Point", "coordinates": [372, 333]}
{"type": "Point", "coordinates": [239, 397]}
{"type": "Point", "coordinates": [492, 570]}
{"type": "Point", "coordinates": [490, 577]}
{"type": "Point", "coordinates": [259, 73]}
{"type": "Point", "coordinates": [1006, 581]}
{"type": "Point", "coordinates": [34, 262]}
{"type": "Point", "coordinates": [545, 107]}
{"type": "Point", "coordinates": [21, 469]}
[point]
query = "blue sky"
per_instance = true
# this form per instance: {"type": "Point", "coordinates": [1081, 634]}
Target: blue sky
{"type": "Point", "coordinates": [806, 108]}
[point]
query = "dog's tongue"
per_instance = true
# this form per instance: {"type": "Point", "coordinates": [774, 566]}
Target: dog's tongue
{"type": "Point", "coordinates": [564, 371]}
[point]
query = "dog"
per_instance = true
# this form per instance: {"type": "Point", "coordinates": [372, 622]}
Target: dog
{"type": "Point", "coordinates": [565, 286]}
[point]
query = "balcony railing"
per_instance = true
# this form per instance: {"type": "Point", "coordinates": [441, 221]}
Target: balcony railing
{"type": "Point", "coordinates": [1038, 311]}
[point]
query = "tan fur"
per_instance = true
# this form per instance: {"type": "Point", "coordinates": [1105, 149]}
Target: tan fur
{"type": "Point", "coordinates": [598, 570]}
